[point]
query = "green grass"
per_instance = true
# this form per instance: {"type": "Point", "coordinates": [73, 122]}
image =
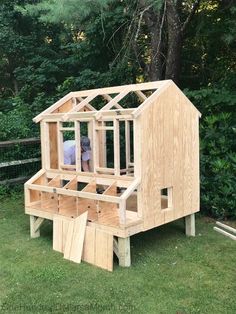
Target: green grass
{"type": "Point", "coordinates": [170, 273]}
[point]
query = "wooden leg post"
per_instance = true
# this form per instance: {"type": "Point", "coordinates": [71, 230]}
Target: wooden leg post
{"type": "Point", "coordinates": [124, 252]}
{"type": "Point", "coordinates": [190, 225]}
{"type": "Point", "coordinates": [35, 224]}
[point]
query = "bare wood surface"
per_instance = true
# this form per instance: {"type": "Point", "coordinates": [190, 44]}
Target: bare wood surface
{"type": "Point", "coordinates": [78, 238]}
{"type": "Point", "coordinates": [231, 229]}
{"type": "Point", "coordinates": [227, 234]}
{"type": "Point", "coordinates": [18, 162]}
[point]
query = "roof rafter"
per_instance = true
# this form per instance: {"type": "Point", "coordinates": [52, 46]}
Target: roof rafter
{"type": "Point", "coordinates": [109, 98]}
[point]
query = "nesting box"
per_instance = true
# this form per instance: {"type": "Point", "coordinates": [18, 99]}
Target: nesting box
{"type": "Point", "coordinates": [144, 169]}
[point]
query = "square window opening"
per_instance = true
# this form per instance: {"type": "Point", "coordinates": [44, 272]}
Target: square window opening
{"type": "Point", "coordinates": [167, 198]}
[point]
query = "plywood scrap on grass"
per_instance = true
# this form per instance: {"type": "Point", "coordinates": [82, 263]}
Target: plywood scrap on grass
{"type": "Point", "coordinates": [75, 238]}
{"type": "Point", "coordinates": [98, 248]}
{"type": "Point", "coordinates": [60, 228]}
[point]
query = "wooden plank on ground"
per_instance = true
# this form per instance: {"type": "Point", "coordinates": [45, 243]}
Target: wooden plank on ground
{"type": "Point", "coordinates": [227, 234]}
{"type": "Point", "coordinates": [89, 245]}
{"type": "Point", "coordinates": [104, 250]}
{"type": "Point", "coordinates": [78, 238]}
{"type": "Point", "coordinates": [57, 233]}
{"type": "Point", "coordinates": [68, 241]}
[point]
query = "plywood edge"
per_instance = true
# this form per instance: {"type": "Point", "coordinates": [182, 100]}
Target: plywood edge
{"type": "Point", "coordinates": [151, 99]}
{"type": "Point", "coordinates": [187, 100]}
{"type": "Point", "coordinates": [53, 107]}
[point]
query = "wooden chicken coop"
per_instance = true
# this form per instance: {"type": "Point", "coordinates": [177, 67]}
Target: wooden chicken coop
{"type": "Point", "coordinates": [144, 158]}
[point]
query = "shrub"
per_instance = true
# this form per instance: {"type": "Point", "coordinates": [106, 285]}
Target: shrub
{"type": "Point", "coordinates": [217, 151]}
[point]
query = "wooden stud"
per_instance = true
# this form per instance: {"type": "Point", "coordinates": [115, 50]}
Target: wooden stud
{"type": "Point", "coordinates": [227, 234]}
{"type": "Point", "coordinates": [90, 136]}
{"type": "Point", "coordinates": [124, 252]}
{"type": "Point", "coordinates": [127, 143]}
{"type": "Point", "coordinates": [231, 229]}
{"type": "Point", "coordinates": [60, 144]}
{"type": "Point", "coordinates": [116, 147]}
{"type": "Point", "coordinates": [35, 224]}
{"type": "Point", "coordinates": [190, 225]}
{"type": "Point", "coordinates": [95, 147]}
{"type": "Point", "coordinates": [77, 146]}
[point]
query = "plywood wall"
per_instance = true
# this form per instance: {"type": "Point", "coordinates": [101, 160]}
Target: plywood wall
{"type": "Point", "coordinates": [169, 157]}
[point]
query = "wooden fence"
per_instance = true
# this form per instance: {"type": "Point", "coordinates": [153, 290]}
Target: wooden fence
{"type": "Point", "coordinates": [14, 150]}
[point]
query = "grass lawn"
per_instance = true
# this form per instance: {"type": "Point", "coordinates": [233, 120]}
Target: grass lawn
{"type": "Point", "coordinates": [170, 273]}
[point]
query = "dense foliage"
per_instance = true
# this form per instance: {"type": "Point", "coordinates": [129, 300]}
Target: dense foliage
{"type": "Point", "coordinates": [49, 48]}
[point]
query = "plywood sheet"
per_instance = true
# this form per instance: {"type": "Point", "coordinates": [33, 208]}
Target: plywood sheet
{"type": "Point", "coordinates": [57, 233]}
{"type": "Point", "coordinates": [68, 242]}
{"type": "Point", "coordinates": [169, 157]}
{"type": "Point", "coordinates": [60, 228]}
{"type": "Point", "coordinates": [78, 238]}
{"type": "Point", "coordinates": [98, 248]}
{"type": "Point", "coordinates": [104, 250]}
{"type": "Point", "coordinates": [89, 245]}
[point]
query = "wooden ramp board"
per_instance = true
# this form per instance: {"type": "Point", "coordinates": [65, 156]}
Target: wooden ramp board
{"type": "Point", "coordinates": [98, 248]}
{"type": "Point", "coordinates": [78, 238]}
{"type": "Point", "coordinates": [60, 228]}
{"type": "Point", "coordinates": [75, 238]}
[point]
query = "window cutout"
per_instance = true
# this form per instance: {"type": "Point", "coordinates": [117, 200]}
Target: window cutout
{"type": "Point", "coordinates": [166, 198]}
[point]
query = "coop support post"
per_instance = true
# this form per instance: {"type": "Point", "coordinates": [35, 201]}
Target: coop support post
{"type": "Point", "coordinates": [35, 224]}
{"type": "Point", "coordinates": [190, 225]}
{"type": "Point", "coordinates": [124, 252]}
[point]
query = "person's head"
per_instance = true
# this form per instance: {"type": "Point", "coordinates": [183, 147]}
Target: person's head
{"type": "Point", "coordinates": [85, 143]}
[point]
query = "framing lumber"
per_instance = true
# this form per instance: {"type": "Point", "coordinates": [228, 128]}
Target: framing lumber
{"type": "Point", "coordinates": [124, 252]}
{"type": "Point", "coordinates": [141, 95]}
{"type": "Point", "coordinates": [109, 98]}
{"type": "Point", "coordinates": [77, 146]}
{"type": "Point", "coordinates": [134, 185]}
{"type": "Point", "coordinates": [190, 225]}
{"type": "Point", "coordinates": [81, 105]}
{"type": "Point", "coordinates": [53, 107]}
{"type": "Point", "coordinates": [127, 143]}
{"type": "Point", "coordinates": [118, 89]}
{"type": "Point", "coordinates": [227, 234]}
{"type": "Point", "coordinates": [89, 106]}
{"type": "Point", "coordinates": [231, 229]}
{"type": "Point", "coordinates": [98, 197]}
{"type": "Point", "coordinates": [35, 223]}
{"type": "Point", "coordinates": [151, 98]}
{"type": "Point", "coordinates": [112, 102]}
{"type": "Point", "coordinates": [116, 146]}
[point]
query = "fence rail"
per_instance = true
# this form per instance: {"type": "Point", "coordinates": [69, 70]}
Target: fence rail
{"type": "Point", "coordinates": [19, 160]}
{"type": "Point", "coordinates": [26, 141]}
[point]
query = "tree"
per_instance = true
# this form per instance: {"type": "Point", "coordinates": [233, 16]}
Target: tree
{"type": "Point", "coordinates": [164, 22]}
